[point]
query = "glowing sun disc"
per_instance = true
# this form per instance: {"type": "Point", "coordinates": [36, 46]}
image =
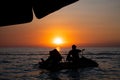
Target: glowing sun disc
{"type": "Point", "coordinates": [58, 40]}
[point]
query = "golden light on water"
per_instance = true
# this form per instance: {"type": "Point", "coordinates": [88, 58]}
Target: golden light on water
{"type": "Point", "coordinates": [58, 48]}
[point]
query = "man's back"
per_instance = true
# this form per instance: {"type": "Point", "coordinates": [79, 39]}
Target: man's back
{"type": "Point", "coordinates": [75, 53]}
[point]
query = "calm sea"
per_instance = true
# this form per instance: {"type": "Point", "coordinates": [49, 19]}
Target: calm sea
{"type": "Point", "coordinates": [20, 64]}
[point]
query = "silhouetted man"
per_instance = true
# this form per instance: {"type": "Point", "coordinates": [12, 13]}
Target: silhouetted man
{"type": "Point", "coordinates": [73, 55]}
{"type": "Point", "coordinates": [53, 59]}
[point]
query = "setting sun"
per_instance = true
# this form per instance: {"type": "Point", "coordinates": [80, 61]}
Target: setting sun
{"type": "Point", "coordinates": [57, 40]}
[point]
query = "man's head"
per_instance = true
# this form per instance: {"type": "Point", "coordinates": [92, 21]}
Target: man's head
{"type": "Point", "coordinates": [73, 46]}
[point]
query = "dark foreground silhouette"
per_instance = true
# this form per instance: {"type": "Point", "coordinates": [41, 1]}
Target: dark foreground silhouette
{"type": "Point", "coordinates": [21, 11]}
{"type": "Point", "coordinates": [83, 63]}
{"type": "Point", "coordinates": [53, 60]}
{"type": "Point", "coordinates": [73, 61]}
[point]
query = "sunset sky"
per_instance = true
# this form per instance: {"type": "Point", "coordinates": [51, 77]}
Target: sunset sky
{"type": "Point", "coordinates": [86, 22]}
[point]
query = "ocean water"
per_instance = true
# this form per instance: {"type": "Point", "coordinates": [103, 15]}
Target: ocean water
{"type": "Point", "coordinates": [21, 64]}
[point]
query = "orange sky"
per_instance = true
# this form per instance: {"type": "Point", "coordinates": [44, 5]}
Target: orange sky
{"type": "Point", "coordinates": [86, 22]}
